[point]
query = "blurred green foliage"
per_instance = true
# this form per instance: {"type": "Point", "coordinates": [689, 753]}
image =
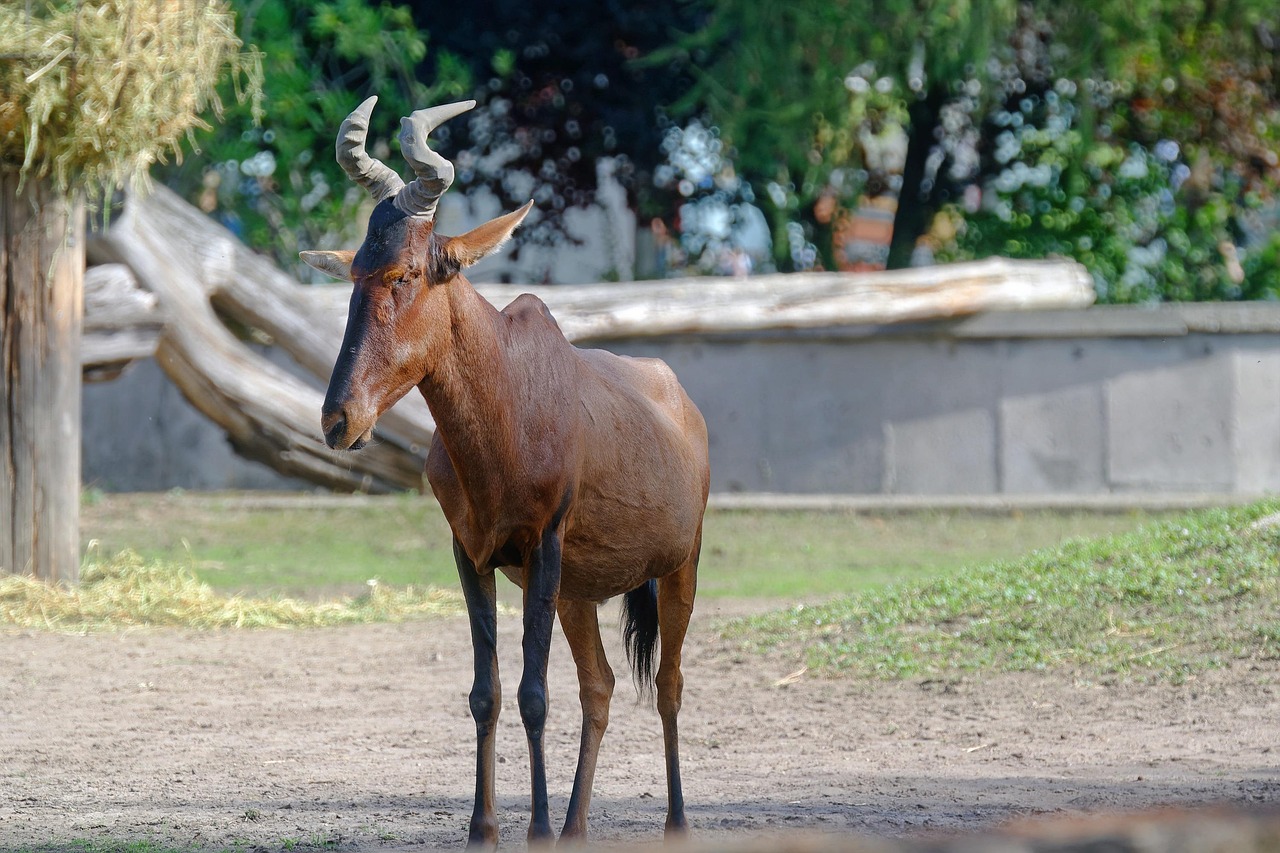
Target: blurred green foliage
{"type": "Point", "coordinates": [1155, 165]}
{"type": "Point", "coordinates": [555, 80]}
{"type": "Point", "coordinates": [1161, 179]}
{"type": "Point", "coordinates": [779, 84]}
{"type": "Point", "coordinates": [275, 183]}
{"type": "Point", "coordinates": [1146, 225]}
{"type": "Point", "coordinates": [1140, 138]}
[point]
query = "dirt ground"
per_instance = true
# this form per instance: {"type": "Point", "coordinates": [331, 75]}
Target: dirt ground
{"type": "Point", "coordinates": [360, 738]}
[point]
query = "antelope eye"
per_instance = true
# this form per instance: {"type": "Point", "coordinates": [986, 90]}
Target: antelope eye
{"type": "Point", "coordinates": [402, 278]}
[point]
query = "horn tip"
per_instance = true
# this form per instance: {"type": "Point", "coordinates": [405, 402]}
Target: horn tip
{"type": "Point", "coordinates": [366, 106]}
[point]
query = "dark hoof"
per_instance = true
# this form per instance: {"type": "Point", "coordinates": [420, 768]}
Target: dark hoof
{"type": "Point", "coordinates": [541, 837]}
{"type": "Point", "coordinates": [571, 839]}
{"type": "Point", "coordinates": [483, 836]}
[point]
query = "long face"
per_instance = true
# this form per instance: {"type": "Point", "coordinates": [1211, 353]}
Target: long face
{"type": "Point", "coordinates": [393, 316]}
{"type": "Point", "coordinates": [383, 353]}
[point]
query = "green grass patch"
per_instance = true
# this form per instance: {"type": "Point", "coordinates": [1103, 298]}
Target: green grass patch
{"type": "Point", "coordinates": [814, 555]}
{"type": "Point", "coordinates": [1165, 601]}
{"type": "Point", "coordinates": [237, 547]}
{"type": "Point", "coordinates": [310, 551]}
{"type": "Point", "coordinates": [105, 846]}
{"type": "Point", "coordinates": [126, 591]}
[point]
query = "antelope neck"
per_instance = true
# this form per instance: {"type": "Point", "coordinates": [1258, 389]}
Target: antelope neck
{"type": "Point", "coordinates": [467, 381]}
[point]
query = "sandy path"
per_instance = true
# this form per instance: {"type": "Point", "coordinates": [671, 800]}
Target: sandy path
{"type": "Point", "coordinates": [360, 737]}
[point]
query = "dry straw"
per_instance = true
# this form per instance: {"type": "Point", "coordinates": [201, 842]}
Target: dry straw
{"type": "Point", "coordinates": [126, 591]}
{"type": "Point", "coordinates": [92, 93]}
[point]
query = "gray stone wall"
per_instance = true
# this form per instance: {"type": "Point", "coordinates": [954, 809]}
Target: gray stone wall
{"type": "Point", "coordinates": [139, 434]}
{"type": "Point", "coordinates": [1102, 401]}
{"type": "Point", "coordinates": [1107, 400]}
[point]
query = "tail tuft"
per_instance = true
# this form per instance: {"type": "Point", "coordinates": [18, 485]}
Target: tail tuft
{"type": "Point", "coordinates": [640, 632]}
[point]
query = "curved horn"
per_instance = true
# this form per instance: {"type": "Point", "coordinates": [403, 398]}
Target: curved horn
{"type": "Point", "coordinates": [420, 196]}
{"type": "Point", "coordinates": [373, 175]}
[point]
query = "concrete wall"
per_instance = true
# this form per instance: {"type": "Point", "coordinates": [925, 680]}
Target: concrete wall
{"type": "Point", "coordinates": [1102, 401]}
{"type": "Point", "coordinates": [139, 434]}
{"type": "Point", "coordinates": [1108, 400]}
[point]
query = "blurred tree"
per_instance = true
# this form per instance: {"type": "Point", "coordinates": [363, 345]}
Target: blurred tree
{"type": "Point", "coordinates": [560, 85]}
{"type": "Point", "coordinates": [1157, 176]}
{"type": "Point", "coordinates": [788, 85]}
{"type": "Point", "coordinates": [275, 182]}
{"type": "Point", "coordinates": [779, 83]}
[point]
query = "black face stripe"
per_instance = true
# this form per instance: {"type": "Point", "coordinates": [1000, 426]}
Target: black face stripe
{"type": "Point", "coordinates": [390, 237]}
{"type": "Point", "coordinates": [358, 321]}
{"type": "Point", "coordinates": [383, 245]}
{"type": "Point", "coordinates": [385, 241]}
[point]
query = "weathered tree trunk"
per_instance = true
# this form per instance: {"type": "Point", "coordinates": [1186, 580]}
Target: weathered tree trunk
{"type": "Point", "coordinates": [41, 295]}
{"type": "Point", "coordinates": [247, 287]}
{"type": "Point", "coordinates": [122, 322]}
{"type": "Point", "coordinates": [914, 203]}
{"type": "Point", "coordinates": [799, 300]}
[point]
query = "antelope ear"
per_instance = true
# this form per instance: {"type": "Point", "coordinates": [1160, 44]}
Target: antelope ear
{"type": "Point", "coordinates": [336, 264]}
{"type": "Point", "coordinates": [481, 242]}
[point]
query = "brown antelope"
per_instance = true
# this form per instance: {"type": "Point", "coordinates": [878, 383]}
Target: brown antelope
{"type": "Point", "coordinates": [582, 475]}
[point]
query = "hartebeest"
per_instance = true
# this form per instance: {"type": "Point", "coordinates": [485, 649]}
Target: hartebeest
{"type": "Point", "coordinates": [582, 475]}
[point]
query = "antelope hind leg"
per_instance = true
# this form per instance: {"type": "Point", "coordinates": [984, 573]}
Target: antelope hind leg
{"type": "Point", "coordinates": [675, 606]}
{"type": "Point", "coordinates": [581, 626]}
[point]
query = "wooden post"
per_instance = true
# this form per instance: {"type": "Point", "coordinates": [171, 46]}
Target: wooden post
{"type": "Point", "coordinates": [41, 297]}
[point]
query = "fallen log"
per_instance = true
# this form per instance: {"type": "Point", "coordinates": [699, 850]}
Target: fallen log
{"type": "Point", "coordinates": [248, 288]}
{"type": "Point", "coordinates": [807, 300]}
{"type": "Point", "coordinates": [268, 415]}
{"type": "Point", "coordinates": [122, 322]}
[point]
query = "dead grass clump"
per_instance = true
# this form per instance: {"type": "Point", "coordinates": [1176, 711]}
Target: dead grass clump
{"type": "Point", "coordinates": [93, 92]}
{"type": "Point", "coordinates": [125, 592]}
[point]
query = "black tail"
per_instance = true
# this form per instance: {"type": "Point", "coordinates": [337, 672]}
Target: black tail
{"type": "Point", "coordinates": [640, 632]}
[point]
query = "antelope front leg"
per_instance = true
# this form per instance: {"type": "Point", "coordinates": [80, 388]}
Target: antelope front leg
{"type": "Point", "coordinates": [486, 692]}
{"type": "Point", "coordinates": [541, 589]}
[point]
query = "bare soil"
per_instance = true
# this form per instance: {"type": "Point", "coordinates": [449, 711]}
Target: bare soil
{"type": "Point", "coordinates": [360, 738]}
